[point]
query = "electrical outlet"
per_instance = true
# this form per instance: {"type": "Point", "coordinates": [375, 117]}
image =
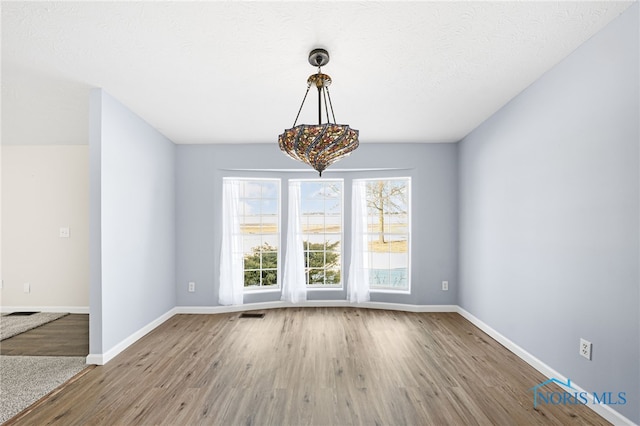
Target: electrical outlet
{"type": "Point", "coordinates": [192, 286]}
{"type": "Point", "coordinates": [64, 232]}
{"type": "Point", "coordinates": [585, 349]}
{"type": "Point", "coordinates": [445, 285]}
{"type": "Point", "coordinates": [26, 287]}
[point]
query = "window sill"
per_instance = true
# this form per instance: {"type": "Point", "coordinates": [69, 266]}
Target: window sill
{"type": "Point", "coordinates": [389, 291]}
{"type": "Point", "coordinates": [262, 290]}
{"type": "Point", "coordinates": [325, 288]}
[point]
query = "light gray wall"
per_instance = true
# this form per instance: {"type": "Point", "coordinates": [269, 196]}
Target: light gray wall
{"type": "Point", "coordinates": [432, 167]}
{"type": "Point", "coordinates": [132, 223]}
{"type": "Point", "coordinates": [95, 222]}
{"type": "Point", "coordinates": [549, 216]}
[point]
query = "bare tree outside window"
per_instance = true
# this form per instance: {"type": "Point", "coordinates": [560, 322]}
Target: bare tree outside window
{"type": "Point", "coordinates": [386, 198]}
{"type": "Point", "coordinates": [388, 233]}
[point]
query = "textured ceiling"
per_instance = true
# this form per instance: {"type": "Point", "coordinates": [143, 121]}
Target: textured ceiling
{"type": "Point", "coordinates": [233, 72]}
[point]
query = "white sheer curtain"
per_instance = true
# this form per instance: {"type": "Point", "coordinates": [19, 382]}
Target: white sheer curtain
{"type": "Point", "coordinates": [294, 287]}
{"type": "Point", "coordinates": [358, 290]}
{"type": "Point", "coordinates": [231, 270]}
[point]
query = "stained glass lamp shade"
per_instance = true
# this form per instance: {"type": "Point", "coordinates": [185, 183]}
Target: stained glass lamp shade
{"type": "Point", "coordinates": [323, 144]}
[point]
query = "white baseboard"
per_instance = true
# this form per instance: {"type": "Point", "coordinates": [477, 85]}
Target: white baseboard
{"type": "Point", "coordinates": [94, 359]}
{"type": "Point", "coordinates": [69, 309]}
{"type": "Point", "coordinates": [603, 410]}
{"type": "Point", "coordinates": [314, 304]}
{"type": "Point", "coordinates": [101, 359]}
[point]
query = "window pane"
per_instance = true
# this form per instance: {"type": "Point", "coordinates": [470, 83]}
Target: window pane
{"type": "Point", "coordinates": [396, 243]}
{"type": "Point", "coordinates": [313, 223]}
{"type": "Point", "coordinates": [251, 278]}
{"type": "Point", "coordinates": [314, 259]}
{"type": "Point", "coordinates": [332, 243]}
{"type": "Point", "coordinates": [252, 208]}
{"type": "Point", "coordinates": [269, 207]}
{"type": "Point", "coordinates": [401, 223]}
{"type": "Point", "coordinates": [332, 276]}
{"type": "Point", "coordinates": [333, 224]}
{"type": "Point", "coordinates": [269, 277]}
{"type": "Point", "coordinates": [270, 242]}
{"type": "Point", "coordinates": [313, 241]}
{"type": "Point", "coordinates": [269, 260]}
{"type": "Point", "coordinates": [379, 277]}
{"type": "Point", "coordinates": [251, 243]}
{"type": "Point", "coordinates": [251, 189]}
{"type": "Point", "coordinates": [270, 190]}
{"type": "Point", "coordinates": [312, 206]}
{"type": "Point", "coordinates": [312, 190]}
{"type": "Point", "coordinates": [398, 278]}
{"type": "Point", "coordinates": [316, 276]}
{"type": "Point", "coordinates": [380, 261]}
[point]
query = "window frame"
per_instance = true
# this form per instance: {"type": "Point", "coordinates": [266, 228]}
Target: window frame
{"type": "Point", "coordinates": [278, 235]}
{"type": "Point", "coordinates": [407, 290]}
{"type": "Point", "coordinates": [341, 284]}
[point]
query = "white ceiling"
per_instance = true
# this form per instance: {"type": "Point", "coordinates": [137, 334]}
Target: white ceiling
{"type": "Point", "coordinates": [234, 72]}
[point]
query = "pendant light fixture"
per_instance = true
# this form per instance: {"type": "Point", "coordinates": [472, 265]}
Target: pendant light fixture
{"type": "Point", "coordinates": [323, 144]}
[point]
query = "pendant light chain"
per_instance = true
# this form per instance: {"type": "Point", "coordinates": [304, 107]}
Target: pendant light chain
{"type": "Point", "coordinates": [301, 105]}
{"type": "Point", "coordinates": [326, 106]}
{"type": "Point", "coordinates": [330, 105]}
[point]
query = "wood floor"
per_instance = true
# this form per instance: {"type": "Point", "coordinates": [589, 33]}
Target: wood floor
{"type": "Point", "coordinates": [66, 336]}
{"type": "Point", "coordinates": [299, 366]}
